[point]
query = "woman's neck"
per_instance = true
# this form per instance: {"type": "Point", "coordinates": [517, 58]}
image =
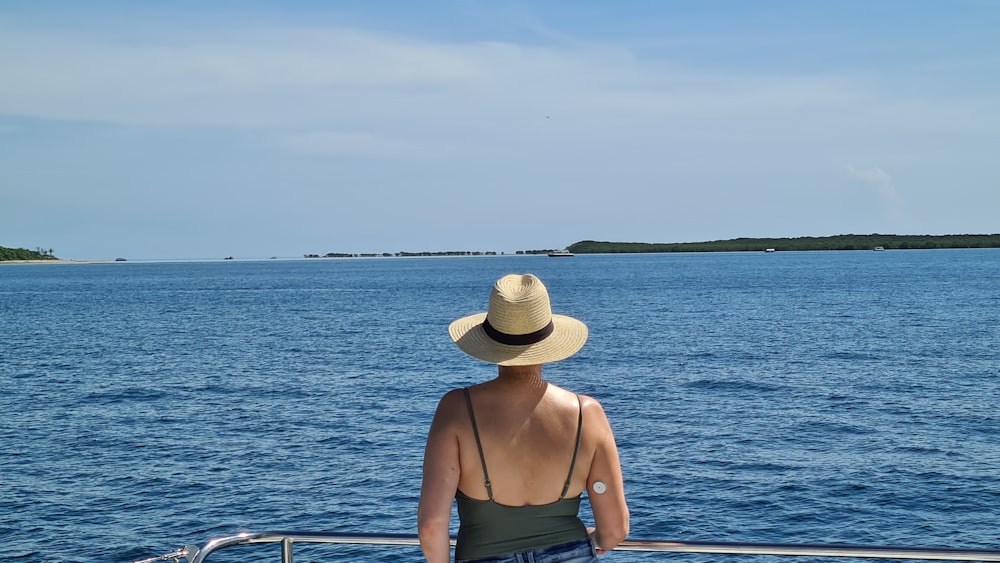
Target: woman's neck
{"type": "Point", "coordinates": [521, 375]}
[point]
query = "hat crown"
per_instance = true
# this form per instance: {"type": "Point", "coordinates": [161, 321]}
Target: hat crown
{"type": "Point", "coordinates": [519, 304]}
{"type": "Point", "coordinates": [519, 329]}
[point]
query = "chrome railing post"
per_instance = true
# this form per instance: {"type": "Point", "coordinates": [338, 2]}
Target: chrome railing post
{"type": "Point", "coordinates": [286, 550]}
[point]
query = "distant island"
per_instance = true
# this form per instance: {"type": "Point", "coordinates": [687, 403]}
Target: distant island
{"type": "Point", "coordinates": [7, 254]}
{"type": "Point", "coordinates": [838, 242]}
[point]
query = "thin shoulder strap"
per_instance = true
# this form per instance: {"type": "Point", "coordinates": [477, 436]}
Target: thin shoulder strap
{"type": "Point", "coordinates": [479, 445]}
{"type": "Point", "coordinates": [579, 437]}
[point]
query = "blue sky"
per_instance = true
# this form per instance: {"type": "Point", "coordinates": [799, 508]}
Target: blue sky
{"type": "Point", "coordinates": [171, 130]}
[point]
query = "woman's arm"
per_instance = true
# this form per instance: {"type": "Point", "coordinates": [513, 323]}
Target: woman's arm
{"type": "Point", "coordinates": [605, 485]}
{"type": "Point", "coordinates": [440, 481]}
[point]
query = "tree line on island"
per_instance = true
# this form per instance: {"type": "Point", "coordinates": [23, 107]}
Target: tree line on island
{"type": "Point", "coordinates": [838, 242]}
{"type": "Point", "coordinates": [25, 254]}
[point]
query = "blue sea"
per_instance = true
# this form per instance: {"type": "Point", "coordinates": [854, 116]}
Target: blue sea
{"type": "Point", "coordinates": [813, 397]}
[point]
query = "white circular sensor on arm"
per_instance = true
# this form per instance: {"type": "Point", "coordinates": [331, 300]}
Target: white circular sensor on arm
{"type": "Point", "coordinates": [600, 487]}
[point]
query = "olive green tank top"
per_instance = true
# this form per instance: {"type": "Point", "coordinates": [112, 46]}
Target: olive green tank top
{"type": "Point", "coordinates": [487, 528]}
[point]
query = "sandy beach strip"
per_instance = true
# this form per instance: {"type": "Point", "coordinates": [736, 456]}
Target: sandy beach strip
{"type": "Point", "coordinates": [2, 262]}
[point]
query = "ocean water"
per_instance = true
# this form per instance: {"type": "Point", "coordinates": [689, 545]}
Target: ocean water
{"type": "Point", "coordinates": [816, 397]}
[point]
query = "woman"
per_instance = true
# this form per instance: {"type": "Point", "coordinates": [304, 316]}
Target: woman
{"type": "Point", "coordinates": [517, 452]}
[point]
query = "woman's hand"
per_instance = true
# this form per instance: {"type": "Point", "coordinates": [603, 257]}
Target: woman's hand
{"type": "Point", "coordinates": [592, 533]}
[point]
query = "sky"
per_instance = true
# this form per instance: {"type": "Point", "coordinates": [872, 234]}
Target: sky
{"type": "Point", "coordinates": [252, 129]}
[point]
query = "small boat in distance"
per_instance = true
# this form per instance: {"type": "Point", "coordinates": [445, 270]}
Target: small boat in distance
{"type": "Point", "coordinates": [878, 248]}
{"type": "Point", "coordinates": [560, 253]}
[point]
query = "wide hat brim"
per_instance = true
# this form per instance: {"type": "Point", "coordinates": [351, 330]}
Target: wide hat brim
{"type": "Point", "coordinates": [567, 338]}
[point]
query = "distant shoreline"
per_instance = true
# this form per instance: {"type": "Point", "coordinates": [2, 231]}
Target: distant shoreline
{"type": "Point", "coordinates": [837, 242]}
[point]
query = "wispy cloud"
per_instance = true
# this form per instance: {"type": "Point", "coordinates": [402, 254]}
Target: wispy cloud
{"type": "Point", "coordinates": [332, 90]}
{"type": "Point", "coordinates": [296, 77]}
{"type": "Point", "coordinates": [882, 184]}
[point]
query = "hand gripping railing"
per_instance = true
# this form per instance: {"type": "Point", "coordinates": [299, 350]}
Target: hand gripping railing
{"type": "Point", "coordinates": [198, 554]}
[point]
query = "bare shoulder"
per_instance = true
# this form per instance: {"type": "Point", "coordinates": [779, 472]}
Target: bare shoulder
{"type": "Point", "coordinates": [452, 397]}
{"type": "Point", "coordinates": [594, 416]}
{"type": "Point", "coordinates": [592, 406]}
{"type": "Point", "coordinates": [566, 400]}
{"type": "Point", "coordinates": [451, 408]}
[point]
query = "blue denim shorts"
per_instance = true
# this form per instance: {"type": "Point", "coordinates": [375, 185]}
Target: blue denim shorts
{"type": "Point", "coordinates": [576, 551]}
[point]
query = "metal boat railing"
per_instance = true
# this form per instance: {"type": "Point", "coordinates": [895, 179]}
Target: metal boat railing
{"type": "Point", "coordinates": [198, 554]}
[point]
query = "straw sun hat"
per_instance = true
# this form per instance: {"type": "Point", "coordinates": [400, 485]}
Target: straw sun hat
{"type": "Point", "coordinates": [519, 328]}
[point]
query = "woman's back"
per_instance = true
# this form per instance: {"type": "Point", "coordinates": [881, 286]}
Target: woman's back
{"type": "Point", "coordinates": [528, 432]}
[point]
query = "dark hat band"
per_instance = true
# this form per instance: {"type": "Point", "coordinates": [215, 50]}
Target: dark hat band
{"type": "Point", "coordinates": [517, 339]}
